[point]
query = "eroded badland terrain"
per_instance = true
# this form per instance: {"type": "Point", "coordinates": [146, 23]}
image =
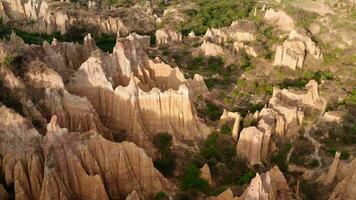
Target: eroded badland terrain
{"type": "Point", "coordinates": [178, 99]}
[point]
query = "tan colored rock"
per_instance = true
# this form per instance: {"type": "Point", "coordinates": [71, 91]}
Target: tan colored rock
{"type": "Point", "coordinates": [311, 46]}
{"type": "Point", "coordinates": [248, 49]}
{"type": "Point", "coordinates": [332, 116]}
{"type": "Point", "coordinates": [239, 31]}
{"type": "Point", "coordinates": [236, 127]}
{"type": "Point", "coordinates": [268, 186]}
{"type": "Point", "coordinates": [3, 194]}
{"type": "Point", "coordinates": [291, 54]}
{"type": "Point", "coordinates": [163, 36]}
{"type": "Point", "coordinates": [206, 174]}
{"type": "Point", "coordinates": [330, 175]}
{"type": "Point", "coordinates": [133, 196]}
{"type": "Point", "coordinates": [345, 189]}
{"type": "Point", "coordinates": [226, 195]}
{"type": "Point", "coordinates": [50, 17]}
{"type": "Point", "coordinates": [165, 77]}
{"type": "Point", "coordinates": [211, 49]}
{"type": "Point", "coordinates": [295, 49]}
{"type": "Point", "coordinates": [279, 19]}
{"type": "Point", "coordinates": [130, 108]}
{"type": "Point", "coordinates": [249, 145]}
{"type": "Point", "coordinates": [293, 105]}
{"type": "Point", "coordinates": [74, 165]}
{"type": "Point", "coordinates": [73, 112]}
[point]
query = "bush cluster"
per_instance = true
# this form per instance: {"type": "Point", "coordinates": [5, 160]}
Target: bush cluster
{"type": "Point", "coordinates": [165, 164]}
{"type": "Point", "coordinates": [216, 13]}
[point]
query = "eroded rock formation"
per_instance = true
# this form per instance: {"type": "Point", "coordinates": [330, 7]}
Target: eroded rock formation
{"type": "Point", "coordinates": [64, 165]}
{"type": "Point", "coordinates": [268, 186]}
{"type": "Point", "coordinates": [295, 49]}
{"type": "Point", "coordinates": [206, 174]}
{"type": "Point", "coordinates": [49, 17]}
{"type": "Point", "coordinates": [239, 31]}
{"type": "Point", "coordinates": [283, 117]}
{"type": "Point", "coordinates": [345, 189]}
{"type": "Point", "coordinates": [280, 20]}
{"type": "Point", "coordinates": [163, 36]}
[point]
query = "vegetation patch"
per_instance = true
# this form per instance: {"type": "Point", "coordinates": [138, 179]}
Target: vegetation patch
{"type": "Point", "coordinates": [216, 14]}
{"type": "Point", "coordinates": [165, 164]}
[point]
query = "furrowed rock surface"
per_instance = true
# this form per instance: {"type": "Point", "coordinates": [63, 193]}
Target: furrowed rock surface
{"type": "Point", "coordinates": [64, 57]}
{"type": "Point", "coordinates": [236, 127]}
{"type": "Point", "coordinates": [211, 49]}
{"type": "Point", "coordinates": [330, 175]}
{"type": "Point", "coordinates": [291, 54]}
{"type": "Point", "coordinates": [282, 118]}
{"type": "Point", "coordinates": [250, 144]}
{"type": "Point", "coordinates": [3, 193]}
{"type": "Point", "coordinates": [72, 165]}
{"type": "Point", "coordinates": [345, 189]}
{"type": "Point", "coordinates": [130, 108]}
{"type": "Point", "coordinates": [268, 186]}
{"type": "Point", "coordinates": [206, 174]}
{"type": "Point", "coordinates": [293, 105]}
{"type": "Point", "coordinates": [143, 97]}
{"type": "Point", "coordinates": [163, 36]}
{"type": "Point", "coordinates": [50, 17]}
{"type": "Point", "coordinates": [49, 94]}
{"type": "Point", "coordinates": [295, 49]}
{"type": "Point", "coordinates": [279, 19]}
{"type": "Point", "coordinates": [239, 31]}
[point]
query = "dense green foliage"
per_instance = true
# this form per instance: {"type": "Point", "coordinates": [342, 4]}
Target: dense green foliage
{"type": "Point", "coordinates": [219, 152]}
{"type": "Point", "coordinates": [303, 148]}
{"type": "Point", "coordinates": [306, 77]}
{"type": "Point", "coordinates": [216, 13]}
{"type": "Point", "coordinates": [160, 196]}
{"type": "Point", "coordinates": [191, 180]}
{"type": "Point", "coordinates": [280, 157]}
{"type": "Point", "coordinates": [212, 112]}
{"type": "Point", "coordinates": [302, 17]}
{"type": "Point", "coordinates": [165, 164]}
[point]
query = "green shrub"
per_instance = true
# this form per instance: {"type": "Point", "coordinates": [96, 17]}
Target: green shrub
{"type": "Point", "coordinates": [246, 63]}
{"type": "Point", "coordinates": [163, 142]}
{"type": "Point", "coordinates": [280, 157]}
{"type": "Point", "coordinates": [302, 149]}
{"type": "Point", "coordinates": [191, 180]}
{"type": "Point", "coordinates": [213, 112]}
{"type": "Point", "coordinates": [215, 64]}
{"type": "Point", "coordinates": [161, 196]}
{"type": "Point", "coordinates": [302, 17]}
{"type": "Point", "coordinates": [226, 129]}
{"type": "Point", "coordinates": [106, 43]}
{"type": "Point", "coordinates": [216, 13]}
{"type": "Point", "coordinates": [246, 177]}
{"type": "Point", "coordinates": [166, 164]}
{"type": "Point", "coordinates": [8, 60]}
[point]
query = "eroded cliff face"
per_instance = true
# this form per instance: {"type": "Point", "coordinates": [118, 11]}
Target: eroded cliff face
{"type": "Point", "coordinates": [239, 31]}
{"type": "Point", "coordinates": [283, 117]}
{"type": "Point", "coordinates": [67, 165]}
{"type": "Point", "coordinates": [346, 176]}
{"type": "Point", "coordinates": [268, 186]}
{"type": "Point", "coordinates": [294, 50]}
{"type": "Point", "coordinates": [50, 17]}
